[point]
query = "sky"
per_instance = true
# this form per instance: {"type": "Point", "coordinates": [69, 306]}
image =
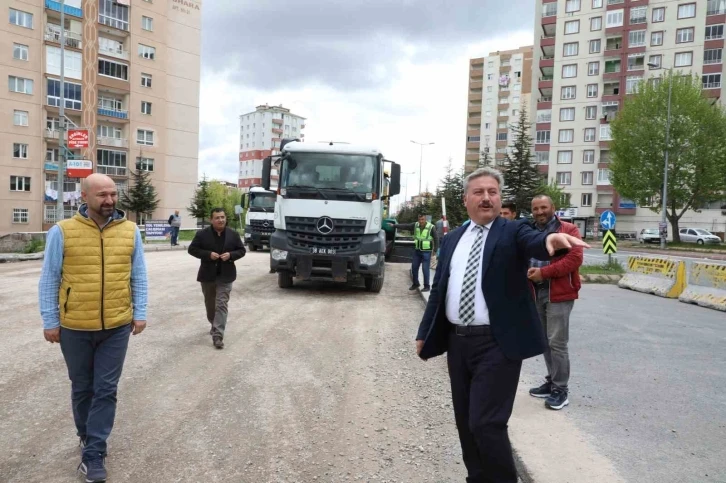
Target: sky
{"type": "Point", "coordinates": [376, 72]}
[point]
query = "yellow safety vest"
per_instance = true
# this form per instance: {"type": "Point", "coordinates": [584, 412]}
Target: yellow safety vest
{"type": "Point", "coordinates": [422, 238]}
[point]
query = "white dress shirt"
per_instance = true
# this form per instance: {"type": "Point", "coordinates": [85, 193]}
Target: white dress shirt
{"type": "Point", "coordinates": [457, 270]}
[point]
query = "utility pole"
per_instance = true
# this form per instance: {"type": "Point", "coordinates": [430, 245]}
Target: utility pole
{"type": "Point", "coordinates": [60, 214]}
{"type": "Point", "coordinates": [420, 164]}
{"type": "Point", "coordinates": [664, 220]}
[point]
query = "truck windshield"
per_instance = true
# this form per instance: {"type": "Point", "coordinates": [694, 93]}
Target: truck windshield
{"type": "Point", "coordinates": [262, 202]}
{"type": "Point", "coordinates": [322, 171]}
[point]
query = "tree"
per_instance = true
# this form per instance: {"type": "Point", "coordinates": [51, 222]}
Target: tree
{"type": "Point", "coordinates": [485, 158]}
{"type": "Point", "coordinates": [522, 178]}
{"type": "Point", "coordinates": [201, 204]}
{"type": "Point", "coordinates": [223, 196]}
{"type": "Point", "coordinates": [556, 194]}
{"type": "Point", "coordinates": [696, 148]}
{"type": "Point", "coordinates": [141, 198]}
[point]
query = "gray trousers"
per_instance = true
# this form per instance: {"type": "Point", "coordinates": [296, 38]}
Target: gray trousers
{"type": "Point", "coordinates": [216, 297]}
{"type": "Point", "coordinates": [555, 317]}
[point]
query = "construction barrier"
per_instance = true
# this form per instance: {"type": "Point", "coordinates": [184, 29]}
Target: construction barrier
{"type": "Point", "coordinates": [706, 286]}
{"type": "Point", "coordinates": [657, 276]}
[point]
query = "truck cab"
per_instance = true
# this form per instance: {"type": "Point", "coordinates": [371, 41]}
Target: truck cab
{"type": "Point", "coordinates": [260, 217]}
{"type": "Point", "coordinates": [329, 214]}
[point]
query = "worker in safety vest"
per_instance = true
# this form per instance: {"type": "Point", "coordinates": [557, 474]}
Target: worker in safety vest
{"type": "Point", "coordinates": [425, 243]}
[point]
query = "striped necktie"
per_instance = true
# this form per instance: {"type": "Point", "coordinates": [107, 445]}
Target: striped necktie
{"type": "Point", "coordinates": [468, 288]}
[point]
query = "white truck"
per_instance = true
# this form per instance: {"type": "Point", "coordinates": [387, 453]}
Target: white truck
{"type": "Point", "coordinates": [260, 217]}
{"type": "Point", "coordinates": [329, 212]}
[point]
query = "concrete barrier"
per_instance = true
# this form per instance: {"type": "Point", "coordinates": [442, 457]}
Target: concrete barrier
{"type": "Point", "coordinates": [706, 286]}
{"type": "Point", "coordinates": [654, 275]}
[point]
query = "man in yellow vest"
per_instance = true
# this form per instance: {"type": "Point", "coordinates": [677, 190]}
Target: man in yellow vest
{"type": "Point", "coordinates": [425, 243]}
{"type": "Point", "coordinates": [93, 293]}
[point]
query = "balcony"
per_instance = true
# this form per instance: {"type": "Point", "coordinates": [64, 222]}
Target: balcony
{"type": "Point", "coordinates": [67, 9]}
{"type": "Point", "coordinates": [112, 170]}
{"type": "Point", "coordinates": [547, 41]}
{"type": "Point", "coordinates": [54, 134]}
{"type": "Point", "coordinates": [71, 39]}
{"type": "Point", "coordinates": [476, 73]}
{"type": "Point", "coordinates": [276, 130]}
{"type": "Point", "coordinates": [278, 121]}
{"type": "Point", "coordinates": [113, 52]}
{"type": "Point", "coordinates": [546, 61]}
{"type": "Point", "coordinates": [115, 113]}
{"type": "Point", "coordinates": [715, 7]}
{"type": "Point", "coordinates": [614, 43]}
{"type": "Point", "coordinates": [113, 142]}
{"type": "Point", "coordinates": [114, 22]}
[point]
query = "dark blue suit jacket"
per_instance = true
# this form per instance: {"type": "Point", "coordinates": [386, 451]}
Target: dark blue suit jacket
{"type": "Point", "coordinates": [509, 297]}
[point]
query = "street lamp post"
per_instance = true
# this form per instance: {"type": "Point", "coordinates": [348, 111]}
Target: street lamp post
{"type": "Point", "coordinates": [420, 163]}
{"type": "Point", "coordinates": [664, 219]}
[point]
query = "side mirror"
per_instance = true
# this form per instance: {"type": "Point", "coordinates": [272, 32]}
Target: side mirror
{"type": "Point", "coordinates": [266, 169]}
{"type": "Point", "coordinates": [394, 186]}
{"type": "Point", "coordinates": [245, 198]}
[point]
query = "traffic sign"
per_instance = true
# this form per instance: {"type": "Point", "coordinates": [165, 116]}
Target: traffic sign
{"type": "Point", "coordinates": [609, 243]}
{"type": "Point", "coordinates": [607, 220]}
{"type": "Point", "coordinates": [77, 138]}
{"type": "Point", "coordinates": [79, 168]}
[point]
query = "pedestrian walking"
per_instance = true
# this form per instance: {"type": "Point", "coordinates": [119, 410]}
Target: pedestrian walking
{"type": "Point", "coordinates": [557, 285]}
{"type": "Point", "coordinates": [218, 247]}
{"type": "Point", "coordinates": [481, 311]}
{"type": "Point", "coordinates": [175, 222]}
{"type": "Point", "coordinates": [425, 242]}
{"type": "Point", "coordinates": [92, 297]}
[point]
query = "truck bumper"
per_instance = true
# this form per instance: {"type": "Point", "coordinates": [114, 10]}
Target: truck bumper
{"type": "Point", "coordinates": [252, 238]}
{"type": "Point", "coordinates": [339, 267]}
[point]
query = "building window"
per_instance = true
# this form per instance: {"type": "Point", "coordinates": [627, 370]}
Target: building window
{"type": "Point", "coordinates": [638, 15]}
{"type": "Point", "coordinates": [116, 70]}
{"type": "Point", "coordinates": [572, 27]}
{"type": "Point", "coordinates": [655, 60]}
{"type": "Point", "coordinates": [636, 38]}
{"type": "Point", "coordinates": [590, 112]}
{"type": "Point", "coordinates": [659, 14]}
{"type": "Point", "coordinates": [636, 61]}
{"type": "Point", "coordinates": [20, 215]}
{"type": "Point", "coordinates": [20, 52]}
{"type": "Point", "coordinates": [593, 68]}
{"type": "Point", "coordinates": [72, 94]}
{"type": "Point", "coordinates": [146, 108]}
{"type": "Point", "coordinates": [614, 18]}
{"type": "Point", "coordinates": [587, 177]}
{"type": "Point", "coordinates": [714, 32]}
{"type": "Point", "coordinates": [515, 100]}
{"type": "Point", "coordinates": [502, 125]}
{"type": "Point", "coordinates": [564, 157]}
{"type": "Point", "coordinates": [656, 38]}
{"type": "Point", "coordinates": [488, 114]}
{"type": "Point", "coordinates": [144, 164]}
{"type": "Point", "coordinates": [592, 90]}
{"type": "Point", "coordinates": [570, 49]}
{"type": "Point", "coordinates": [596, 3]}
{"type": "Point", "coordinates": [588, 156]}
{"type": "Point", "coordinates": [490, 63]}
{"type": "Point", "coordinates": [566, 135]}
{"type": "Point", "coordinates": [567, 114]}
{"type": "Point", "coordinates": [603, 176]}
{"type": "Point", "coordinates": [487, 125]}
{"type": "Point", "coordinates": [144, 137]}
{"type": "Point", "coordinates": [20, 183]}
{"type": "Point", "coordinates": [501, 136]}
{"type": "Point", "coordinates": [111, 162]}
{"type": "Point", "coordinates": [147, 23]}
{"type": "Point", "coordinates": [712, 56]}
{"type": "Point", "coordinates": [595, 24]}
{"type": "Point", "coordinates": [146, 80]}
{"type": "Point", "coordinates": [21, 19]}
{"type": "Point", "coordinates": [502, 113]}
{"type": "Point", "coordinates": [147, 52]}
{"type": "Point", "coordinates": [568, 92]}
{"type": "Point", "coordinates": [595, 46]}
{"type": "Point", "coordinates": [589, 134]}
{"type": "Point", "coordinates": [572, 6]}
{"type": "Point", "coordinates": [517, 87]}
{"type": "Point", "coordinates": [113, 14]}
{"type": "Point", "coordinates": [684, 35]}
{"type": "Point", "coordinates": [20, 151]}
{"type": "Point", "coordinates": [544, 115]}
{"type": "Point", "coordinates": [569, 70]}
{"type": "Point", "coordinates": [716, 7]}
{"type": "Point", "coordinates": [687, 11]}
{"type": "Point", "coordinates": [20, 118]}
{"type": "Point", "coordinates": [515, 112]}
{"type": "Point", "coordinates": [586, 199]}
{"type": "Point", "coordinates": [21, 85]}
{"type": "Point", "coordinates": [684, 59]}
{"type": "Point", "coordinates": [489, 88]}
{"type": "Point", "coordinates": [542, 137]}
{"type": "Point", "coordinates": [542, 157]}
{"type": "Point", "coordinates": [549, 9]}
{"type": "Point", "coordinates": [712, 81]}
{"type": "Point", "coordinates": [564, 178]}
{"type": "Point", "coordinates": [605, 133]}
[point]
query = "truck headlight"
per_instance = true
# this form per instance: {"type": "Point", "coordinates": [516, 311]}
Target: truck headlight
{"type": "Point", "coordinates": [278, 254]}
{"type": "Point", "coordinates": [368, 259]}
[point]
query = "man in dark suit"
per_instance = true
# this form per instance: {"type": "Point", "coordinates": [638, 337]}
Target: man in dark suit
{"type": "Point", "coordinates": [218, 247]}
{"type": "Point", "coordinates": [482, 312]}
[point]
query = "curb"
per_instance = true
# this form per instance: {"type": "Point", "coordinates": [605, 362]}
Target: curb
{"type": "Point", "coordinates": [592, 278]}
{"type": "Point", "coordinates": [20, 257]}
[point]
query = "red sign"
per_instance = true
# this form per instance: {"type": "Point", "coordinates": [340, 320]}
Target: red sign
{"type": "Point", "coordinates": [79, 168]}
{"type": "Point", "coordinates": [77, 138]}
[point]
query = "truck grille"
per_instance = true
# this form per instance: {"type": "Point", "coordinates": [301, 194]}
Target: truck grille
{"type": "Point", "coordinates": [258, 226]}
{"type": "Point", "coordinates": [346, 235]}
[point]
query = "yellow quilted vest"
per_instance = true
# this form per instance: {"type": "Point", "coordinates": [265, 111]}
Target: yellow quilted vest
{"type": "Point", "coordinates": [95, 291]}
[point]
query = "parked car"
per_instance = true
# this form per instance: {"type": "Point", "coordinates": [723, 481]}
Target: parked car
{"type": "Point", "coordinates": [649, 235]}
{"type": "Point", "coordinates": [698, 235]}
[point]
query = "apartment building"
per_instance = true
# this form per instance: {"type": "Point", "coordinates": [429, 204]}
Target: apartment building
{"type": "Point", "coordinates": [589, 55]}
{"type": "Point", "coordinates": [499, 86]}
{"type": "Point", "coordinates": [131, 69]}
{"type": "Point", "coordinates": [260, 134]}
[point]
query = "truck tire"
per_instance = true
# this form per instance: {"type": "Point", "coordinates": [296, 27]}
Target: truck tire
{"type": "Point", "coordinates": [284, 279]}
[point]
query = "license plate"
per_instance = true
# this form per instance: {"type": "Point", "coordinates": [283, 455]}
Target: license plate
{"type": "Point", "coordinates": [322, 251]}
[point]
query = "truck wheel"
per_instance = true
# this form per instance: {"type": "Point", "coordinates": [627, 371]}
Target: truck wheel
{"type": "Point", "coordinates": [253, 247]}
{"type": "Point", "coordinates": [284, 279]}
{"type": "Point", "coordinates": [374, 284]}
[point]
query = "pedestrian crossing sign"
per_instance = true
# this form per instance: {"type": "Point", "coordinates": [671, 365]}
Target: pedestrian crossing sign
{"type": "Point", "coordinates": [609, 243]}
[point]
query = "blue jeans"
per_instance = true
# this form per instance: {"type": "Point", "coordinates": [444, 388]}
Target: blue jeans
{"type": "Point", "coordinates": [174, 234]}
{"type": "Point", "coordinates": [423, 260]}
{"type": "Point", "coordinates": [95, 360]}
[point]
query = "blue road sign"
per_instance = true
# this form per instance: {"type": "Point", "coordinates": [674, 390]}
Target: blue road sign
{"type": "Point", "coordinates": [607, 220]}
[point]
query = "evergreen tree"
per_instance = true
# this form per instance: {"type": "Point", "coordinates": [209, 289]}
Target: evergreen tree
{"type": "Point", "coordinates": [201, 204]}
{"type": "Point", "coordinates": [522, 178]}
{"type": "Point", "coordinates": [485, 158]}
{"type": "Point", "coordinates": [141, 198]}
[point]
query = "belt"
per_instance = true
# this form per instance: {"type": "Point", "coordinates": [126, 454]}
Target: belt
{"type": "Point", "coordinates": [469, 330]}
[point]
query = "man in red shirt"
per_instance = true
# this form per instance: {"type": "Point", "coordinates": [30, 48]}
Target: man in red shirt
{"type": "Point", "coordinates": [556, 285]}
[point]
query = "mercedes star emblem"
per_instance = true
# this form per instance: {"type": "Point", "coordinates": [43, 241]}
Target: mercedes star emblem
{"type": "Point", "coordinates": [325, 225]}
{"type": "Point", "coordinates": [265, 224]}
